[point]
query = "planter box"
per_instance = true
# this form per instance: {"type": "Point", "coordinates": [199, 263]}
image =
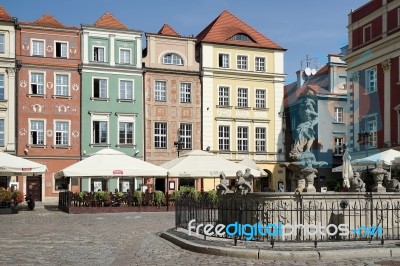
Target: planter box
{"type": "Point", "coordinates": [8, 210]}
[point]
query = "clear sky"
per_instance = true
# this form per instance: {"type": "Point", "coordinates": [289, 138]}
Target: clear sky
{"type": "Point", "coordinates": [311, 27]}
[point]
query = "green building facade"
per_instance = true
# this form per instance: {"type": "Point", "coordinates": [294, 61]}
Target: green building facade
{"type": "Point", "coordinates": [112, 105]}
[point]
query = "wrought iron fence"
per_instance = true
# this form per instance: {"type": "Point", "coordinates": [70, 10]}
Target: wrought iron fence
{"type": "Point", "coordinates": [299, 218]}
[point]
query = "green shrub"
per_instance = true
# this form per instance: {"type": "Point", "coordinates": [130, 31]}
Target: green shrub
{"type": "Point", "coordinates": [158, 197]}
{"type": "Point", "coordinates": [5, 195]}
{"type": "Point", "coordinates": [212, 196]}
{"type": "Point", "coordinates": [175, 195]}
{"type": "Point", "coordinates": [101, 196]}
{"type": "Point", "coordinates": [137, 197]}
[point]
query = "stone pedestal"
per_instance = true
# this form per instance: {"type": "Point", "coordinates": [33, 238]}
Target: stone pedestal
{"type": "Point", "coordinates": [309, 175]}
{"type": "Point", "coordinates": [378, 175]}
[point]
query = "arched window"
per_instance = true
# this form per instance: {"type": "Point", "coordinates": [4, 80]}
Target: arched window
{"type": "Point", "coordinates": [172, 59]}
{"type": "Point", "coordinates": [241, 37]}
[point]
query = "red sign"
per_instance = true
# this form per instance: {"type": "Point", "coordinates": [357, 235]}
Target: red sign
{"type": "Point", "coordinates": [26, 169]}
{"type": "Point", "coordinates": [118, 172]}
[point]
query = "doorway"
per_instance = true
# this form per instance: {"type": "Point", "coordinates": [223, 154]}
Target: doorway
{"type": "Point", "coordinates": [34, 187]}
{"type": "Point", "coordinates": [160, 184]}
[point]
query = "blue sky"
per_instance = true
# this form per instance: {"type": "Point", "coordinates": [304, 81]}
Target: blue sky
{"type": "Point", "coordinates": [312, 27]}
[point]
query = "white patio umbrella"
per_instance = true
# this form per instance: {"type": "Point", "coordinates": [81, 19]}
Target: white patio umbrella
{"type": "Point", "coordinates": [387, 158]}
{"type": "Point", "coordinates": [347, 171]}
{"type": "Point", "coordinates": [202, 164]}
{"type": "Point", "coordinates": [250, 163]}
{"type": "Point", "coordinates": [11, 165]}
{"type": "Point", "coordinates": [110, 163]}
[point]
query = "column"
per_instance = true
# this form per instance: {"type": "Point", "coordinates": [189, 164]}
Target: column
{"type": "Point", "coordinates": [112, 49]}
{"type": "Point", "coordinates": [386, 66]}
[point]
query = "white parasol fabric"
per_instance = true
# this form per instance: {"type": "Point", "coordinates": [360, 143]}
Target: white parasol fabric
{"type": "Point", "coordinates": [387, 157]}
{"type": "Point", "coordinates": [202, 164]}
{"type": "Point", "coordinates": [250, 163]}
{"type": "Point", "coordinates": [110, 163]}
{"type": "Point", "coordinates": [11, 165]}
{"type": "Point", "coordinates": [347, 172]}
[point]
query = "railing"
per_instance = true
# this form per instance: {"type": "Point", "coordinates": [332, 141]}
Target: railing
{"type": "Point", "coordinates": [68, 201]}
{"type": "Point", "coordinates": [296, 218]}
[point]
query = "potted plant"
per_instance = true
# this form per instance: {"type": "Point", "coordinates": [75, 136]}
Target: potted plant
{"type": "Point", "coordinates": [158, 198]}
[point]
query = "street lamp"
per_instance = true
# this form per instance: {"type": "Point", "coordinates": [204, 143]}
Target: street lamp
{"type": "Point", "coordinates": [365, 138]}
{"type": "Point", "coordinates": [178, 144]}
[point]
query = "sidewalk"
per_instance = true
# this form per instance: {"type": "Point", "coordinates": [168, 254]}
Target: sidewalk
{"type": "Point", "coordinates": [298, 251]}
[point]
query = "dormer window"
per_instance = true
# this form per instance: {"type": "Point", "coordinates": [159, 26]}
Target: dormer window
{"type": "Point", "coordinates": [241, 37]}
{"type": "Point", "coordinates": [172, 59]}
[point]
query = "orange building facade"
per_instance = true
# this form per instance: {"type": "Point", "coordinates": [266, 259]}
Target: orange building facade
{"type": "Point", "coordinates": [48, 101]}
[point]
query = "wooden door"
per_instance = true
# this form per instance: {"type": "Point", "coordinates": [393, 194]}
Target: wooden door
{"type": "Point", "coordinates": [34, 187]}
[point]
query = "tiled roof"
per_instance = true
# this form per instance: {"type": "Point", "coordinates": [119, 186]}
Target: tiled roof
{"type": "Point", "coordinates": [167, 30]}
{"type": "Point", "coordinates": [4, 16]}
{"type": "Point", "coordinates": [108, 21]}
{"type": "Point", "coordinates": [318, 83]}
{"type": "Point", "coordinates": [48, 20]}
{"type": "Point", "coordinates": [226, 26]}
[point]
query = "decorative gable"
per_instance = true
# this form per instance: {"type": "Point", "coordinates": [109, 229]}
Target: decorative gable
{"type": "Point", "coordinates": [167, 30]}
{"type": "Point", "coordinates": [49, 21]}
{"type": "Point", "coordinates": [109, 21]}
{"type": "Point", "coordinates": [4, 16]}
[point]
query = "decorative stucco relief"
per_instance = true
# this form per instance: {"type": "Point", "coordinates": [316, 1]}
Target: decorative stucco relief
{"type": "Point", "coordinates": [23, 83]}
{"type": "Point", "coordinates": [75, 86]}
{"type": "Point", "coordinates": [37, 108]}
{"type": "Point", "coordinates": [62, 108]}
{"type": "Point", "coordinates": [49, 85]}
{"type": "Point", "coordinates": [244, 114]}
{"type": "Point", "coordinates": [49, 133]}
{"type": "Point", "coordinates": [49, 48]}
{"type": "Point", "coordinates": [75, 134]}
{"type": "Point", "coordinates": [259, 114]}
{"type": "Point", "coordinates": [224, 112]}
{"type": "Point", "coordinates": [22, 131]}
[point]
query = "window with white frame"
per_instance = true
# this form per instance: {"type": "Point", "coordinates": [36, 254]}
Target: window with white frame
{"type": "Point", "coordinates": [338, 114]}
{"type": "Point", "coordinates": [126, 89]}
{"type": "Point", "coordinates": [223, 138]}
{"type": "Point", "coordinates": [160, 135]}
{"type": "Point", "coordinates": [1, 86]}
{"type": "Point", "coordinates": [241, 62]}
{"type": "Point", "coordinates": [37, 48]}
{"type": "Point", "coordinates": [1, 132]}
{"type": "Point", "coordinates": [62, 87]}
{"type": "Point", "coordinates": [100, 88]}
{"type": "Point", "coordinates": [260, 98]}
{"type": "Point", "coordinates": [98, 54]}
{"type": "Point", "coordinates": [398, 17]}
{"type": "Point", "coordinates": [243, 138]}
{"type": "Point", "coordinates": [2, 43]}
{"type": "Point", "coordinates": [261, 139]}
{"type": "Point", "coordinates": [160, 91]}
{"type": "Point", "coordinates": [370, 80]}
{"type": "Point", "coordinates": [367, 33]}
{"type": "Point", "coordinates": [260, 63]}
{"type": "Point", "coordinates": [61, 49]}
{"type": "Point", "coordinates": [338, 146]}
{"type": "Point", "coordinates": [37, 83]}
{"type": "Point", "coordinates": [172, 59]}
{"type": "Point", "coordinates": [125, 132]}
{"type": "Point", "coordinates": [61, 133]}
{"type": "Point", "coordinates": [242, 97]}
{"type": "Point", "coordinates": [372, 129]}
{"type": "Point", "coordinates": [223, 96]}
{"type": "Point", "coordinates": [124, 56]}
{"type": "Point", "coordinates": [223, 60]}
{"type": "Point", "coordinates": [99, 132]}
{"type": "Point", "coordinates": [185, 131]}
{"type": "Point", "coordinates": [185, 93]}
{"type": "Point", "coordinates": [36, 132]}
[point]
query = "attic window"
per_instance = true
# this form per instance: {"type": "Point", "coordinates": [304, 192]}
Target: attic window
{"type": "Point", "coordinates": [172, 59]}
{"type": "Point", "coordinates": [241, 37]}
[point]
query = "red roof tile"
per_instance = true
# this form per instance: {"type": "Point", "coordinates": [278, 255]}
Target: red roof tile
{"type": "Point", "coordinates": [48, 20]}
{"type": "Point", "coordinates": [108, 21]}
{"type": "Point", "coordinates": [167, 30]}
{"type": "Point", "coordinates": [226, 26]}
{"type": "Point", "coordinates": [4, 15]}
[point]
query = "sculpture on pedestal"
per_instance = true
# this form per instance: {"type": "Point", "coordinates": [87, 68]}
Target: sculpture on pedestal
{"type": "Point", "coordinates": [356, 183]}
{"type": "Point", "coordinates": [242, 186]}
{"type": "Point", "coordinates": [378, 173]}
{"type": "Point", "coordinates": [391, 185]}
{"type": "Point", "coordinates": [301, 154]}
{"type": "Point", "coordinates": [222, 187]}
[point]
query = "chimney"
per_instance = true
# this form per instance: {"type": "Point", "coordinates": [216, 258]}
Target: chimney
{"type": "Point", "coordinates": [300, 78]}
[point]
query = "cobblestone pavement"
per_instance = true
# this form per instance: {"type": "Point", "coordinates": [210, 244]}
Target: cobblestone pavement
{"type": "Point", "coordinates": [47, 236]}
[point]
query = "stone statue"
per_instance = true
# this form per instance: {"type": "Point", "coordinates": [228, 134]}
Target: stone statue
{"type": "Point", "coordinates": [391, 185]}
{"type": "Point", "coordinates": [222, 187]}
{"type": "Point", "coordinates": [242, 186]}
{"type": "Point", "coordinates": [378, 174]}
{"type": "Point", "coordinates": [356, 183]}
{"type": "Point", "coordinates": [305, 130]}
{"type": "Point", "coordinates": [248, 176]}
